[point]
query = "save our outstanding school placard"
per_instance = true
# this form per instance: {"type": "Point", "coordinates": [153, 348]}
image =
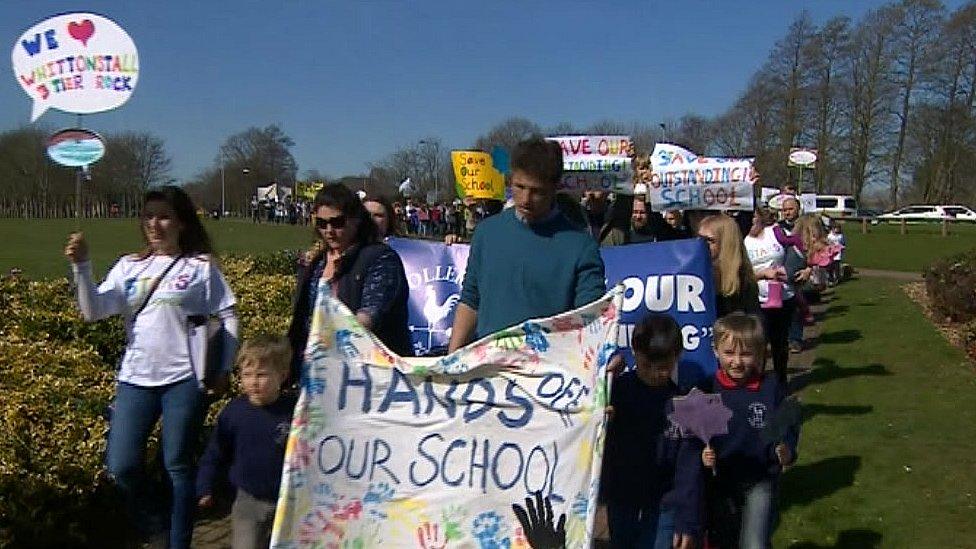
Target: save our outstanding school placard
{"type": "Point", "coordinates": [393, 452]}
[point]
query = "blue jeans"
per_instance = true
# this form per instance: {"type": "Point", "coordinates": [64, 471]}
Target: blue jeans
{"type": "Point", "coordinates": [743, 515]}
{"type": "Point", "coordinates": [135, 413]}
{"type": "Point", "coordinates": [796, 326]}
{"type": "Point", "coordinates": [633, 527]}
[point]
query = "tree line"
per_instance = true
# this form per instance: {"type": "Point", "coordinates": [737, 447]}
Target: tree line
{"type": "Point", "coordinates": [887, 101]}
{"type": "Point", "coordinates": [31, 185]}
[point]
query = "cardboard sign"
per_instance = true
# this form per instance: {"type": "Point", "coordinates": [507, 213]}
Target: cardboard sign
{"type": "Point", "coordinates": [476, 177]}
{"type": "Point", "coordinates": [680, 179]}
{"type": "Point", "coordinates": [75, 147]}
{"type": "Point", "coordinates": [77, 63]}
{"type": "Point", "coordinates": [595, 163]}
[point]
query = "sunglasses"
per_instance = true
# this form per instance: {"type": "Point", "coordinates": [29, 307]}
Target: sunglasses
{"type": "Point", "coordinates": [336, 222]}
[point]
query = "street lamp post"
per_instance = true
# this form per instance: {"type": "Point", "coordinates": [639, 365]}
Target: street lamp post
{"type": "Point", "coordinates": [223, 192]}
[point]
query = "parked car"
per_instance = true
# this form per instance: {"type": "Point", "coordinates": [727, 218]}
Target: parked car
{"type": "Point", "coordinates": [836, 205]}
{"type": "Point", "coordinates": [922, 213]}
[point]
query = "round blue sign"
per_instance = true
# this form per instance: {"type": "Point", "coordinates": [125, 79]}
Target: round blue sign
{"type": "Point", "coordinates": [75, 147]}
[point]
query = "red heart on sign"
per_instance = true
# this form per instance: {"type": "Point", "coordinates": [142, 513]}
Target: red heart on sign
{"type": "Point", "coordinates": [81, 31]}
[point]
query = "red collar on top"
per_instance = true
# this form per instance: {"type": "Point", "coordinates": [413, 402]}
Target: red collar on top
{"type": "Point", "coordinates": [727, 382]}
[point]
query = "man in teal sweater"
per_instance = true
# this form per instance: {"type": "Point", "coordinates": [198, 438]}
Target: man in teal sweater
{"type": "Point", "coordinates": [528, 261]}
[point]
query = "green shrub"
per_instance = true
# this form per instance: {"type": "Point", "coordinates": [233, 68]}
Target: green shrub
{"type": "Point", "coordinates": [282, 262]}
{"type": "Point", "coordinates": [951, 286]}
{"type": "Point", "coordinates": [56, 380]}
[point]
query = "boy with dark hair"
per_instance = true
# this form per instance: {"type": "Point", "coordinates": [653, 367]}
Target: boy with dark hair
{"type": "Point", "coordinates": [529, 261]}
{"type": "Point", "coordinates": [540, 159]}
{"type": "Point", "coordinates": [651, 475]}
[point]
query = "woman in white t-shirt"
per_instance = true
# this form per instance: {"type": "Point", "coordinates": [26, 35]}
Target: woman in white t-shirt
{"type": "Point", "coordinates": [777, 298]}
{"type": "Point", "coordinates": [162, 372]}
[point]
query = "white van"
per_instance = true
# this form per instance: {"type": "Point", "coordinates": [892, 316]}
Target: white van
{"type": "Point", "coordinates": [837, 205]}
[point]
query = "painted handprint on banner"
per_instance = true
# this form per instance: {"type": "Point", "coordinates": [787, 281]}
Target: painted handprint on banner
{"type": "Point", "coordinates": [430, 536]}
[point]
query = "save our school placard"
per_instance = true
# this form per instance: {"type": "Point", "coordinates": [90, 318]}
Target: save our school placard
{"type": "Point", "coordinates": [392, 452]}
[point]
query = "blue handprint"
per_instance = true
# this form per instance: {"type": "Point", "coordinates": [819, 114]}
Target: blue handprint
{"type": "Point", "coordinates": [535, 337]}
{"type": "Point", "coordinates": [486, 528]}
{"type": "Point", "coordinates": [344, 343]}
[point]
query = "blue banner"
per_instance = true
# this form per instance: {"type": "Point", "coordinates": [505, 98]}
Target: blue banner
{"type": "Point", "coordinates": [673, 277]}
{"type": "Point", "coordinates": [434, 272]}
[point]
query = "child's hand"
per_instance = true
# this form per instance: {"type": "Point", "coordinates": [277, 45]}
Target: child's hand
{"type": "Point", "coordinates": [683, 541]}
{"type": "Point", "coordinates": [708, 457]}
{"type": "Point", "coordinates": [784, 454]}
{"type": "Point", "coordinates": [205, 501]}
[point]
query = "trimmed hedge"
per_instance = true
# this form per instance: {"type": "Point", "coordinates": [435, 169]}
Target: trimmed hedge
{"type": "Point", "coordinates": [57, 378]}
{"type": "Point", "coordinates": [951, 287]}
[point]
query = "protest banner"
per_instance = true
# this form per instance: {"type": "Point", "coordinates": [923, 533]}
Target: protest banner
{"type": "Point", "coordinates": [434, 274]}
{"type": "Point", "coordinates": [673, 277]}
{"type": "Point", "coordinates": [274, 192]}
{"type": "Point", "coordinates": [476, 177]}
{"type": "Point", "coordinates": [393, 452]}
{"type": "Point", "coordinates": [307, 189]}
{"type": "Point", "coordinates": [77, 63]}
{"type": "Point", "coordinates": [595, 163]}
{"type": "Point", "coordinates": [680, 179]}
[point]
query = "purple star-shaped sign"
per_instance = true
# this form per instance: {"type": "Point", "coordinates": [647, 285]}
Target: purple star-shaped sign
{"type": "Point", "coordinates": [702, 414]}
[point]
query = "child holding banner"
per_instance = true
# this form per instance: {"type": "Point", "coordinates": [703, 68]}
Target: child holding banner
{"type": "Point", "coordinates": [741, 489]}
{"type": "Point", "coordinates": [248, 443]}
{"type": "Point", "coordinates": [651, 475]}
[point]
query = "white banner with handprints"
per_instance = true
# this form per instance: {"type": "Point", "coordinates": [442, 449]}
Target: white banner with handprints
{"type": "Point", "coordinates": [432, 453]}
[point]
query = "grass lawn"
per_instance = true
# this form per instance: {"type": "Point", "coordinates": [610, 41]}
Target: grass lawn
{"type": "Point", "coordinates": [885, 248]}
{"type": "Point", "coordinates": [886, 453]}
{"type": "Point", "coordinates": [36, 245]}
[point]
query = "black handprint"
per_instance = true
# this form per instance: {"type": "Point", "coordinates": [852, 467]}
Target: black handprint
{"type": "Point", "coordinates": [536, 521]}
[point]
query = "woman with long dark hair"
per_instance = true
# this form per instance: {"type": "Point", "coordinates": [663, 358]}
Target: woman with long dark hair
{"type": "Point", "coordinates": [162, 373]}
{"type": "Point", "coordinates": [387, 223]}
{"type": "Point", "coordinates": [360, 271]}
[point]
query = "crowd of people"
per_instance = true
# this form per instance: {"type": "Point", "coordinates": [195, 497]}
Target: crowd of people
{"type": "Point", "coordinates": [662, 487]}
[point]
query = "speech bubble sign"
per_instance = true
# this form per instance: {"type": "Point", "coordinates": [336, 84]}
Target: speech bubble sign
{"type": "Point", "coordinates": [75, 147]}
{"type": "Point", "coordinates": [79, 63]}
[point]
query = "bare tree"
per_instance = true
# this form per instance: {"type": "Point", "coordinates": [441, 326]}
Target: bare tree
{"type": "Point", "coordinates": [828, 55]}
{"type": "Point", "coordinates": [915, 24]}
{"type": "Point", "coordinates": [507, 134]}
{"type": "Point", "coordinates": [870, 93]}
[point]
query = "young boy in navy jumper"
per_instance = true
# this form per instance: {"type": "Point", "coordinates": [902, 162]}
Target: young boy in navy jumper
{"type": "Point", "coordinates": [248, 442]}
{"type": "Point", "coordinates": [651, 475]}
{"type": "Point", "coordinates": [741, 493]}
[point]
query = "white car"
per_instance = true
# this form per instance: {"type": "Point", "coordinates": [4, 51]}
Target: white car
{"type": "Point", "coordinates": [929, 213]}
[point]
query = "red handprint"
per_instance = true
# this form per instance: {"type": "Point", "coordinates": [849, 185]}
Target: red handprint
{"type": "Point", "coordinates": [429, 536]}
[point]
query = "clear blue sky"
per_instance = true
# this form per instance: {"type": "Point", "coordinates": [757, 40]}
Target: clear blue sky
{"type": "Point", "coordinates": [352, 81]}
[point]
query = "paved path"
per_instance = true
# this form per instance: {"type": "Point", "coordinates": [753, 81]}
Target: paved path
{"type": "Point", "coordinates": [907, 276]}
{"type": "Point", "coordinates": [213, 531]}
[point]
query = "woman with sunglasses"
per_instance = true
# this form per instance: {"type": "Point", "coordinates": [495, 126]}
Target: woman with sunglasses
{"type": "Point", "coordinates": [358, 269]}
{"type": "Point", "coordinates": [161, 375]}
